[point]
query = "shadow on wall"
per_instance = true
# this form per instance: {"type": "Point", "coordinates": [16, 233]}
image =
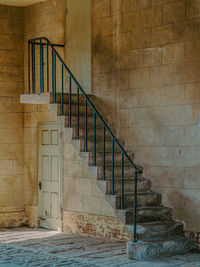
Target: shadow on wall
{"type": "Point", "coordinates": [185, 208]}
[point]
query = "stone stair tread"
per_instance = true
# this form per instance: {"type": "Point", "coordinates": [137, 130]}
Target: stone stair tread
{"type": "Point", "coordinates": [139, 193]}
{"type": "Point", "coordinates": [154, 227]}
{"type": "Point", "coordinates": [90, 139]}
{"type": "Point", "coordinates": [80, 115]}
{"type": "Point", "coordinates": [117, 165]}
{"type": "Point", "coordinates": [128, 179]}
{"type": "Point", "coordinates": [149, 208]}
{"type": "Point", "coordinates": [155, 223]}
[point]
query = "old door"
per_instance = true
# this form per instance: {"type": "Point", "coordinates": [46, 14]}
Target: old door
{"type": "Point", "coordinates": [49, 178]}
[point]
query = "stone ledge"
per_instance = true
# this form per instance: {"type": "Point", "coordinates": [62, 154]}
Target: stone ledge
{"type": "Point", "coordinates": [12, 209]}
{"type": "Point", "coordinates": [43, 98]}
{"type": "Point", "coordinates": [12, 218]}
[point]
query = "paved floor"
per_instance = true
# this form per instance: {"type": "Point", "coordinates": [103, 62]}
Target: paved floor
{"type": "Point", "coordinates": [39, 247]}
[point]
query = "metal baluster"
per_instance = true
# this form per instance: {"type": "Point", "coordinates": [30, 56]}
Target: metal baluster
{"type": "Point", "coordinates": [113, 168]}
{"type": "Point", "coordinates": [29, 86]}
{"type": "Point", "coordinates": [52, 74]}
{"type": "Point", "coordinates": [54, 55]}
{"type": "Point", "coordinates": [122, 182]}
{"type": "Point", "coordinates": [77, 114]}
{"type": "Point", "coordinates": [94, 139]}
{"type": "Point", "coordinates": [135, 208]}
{"type": "Point", "coordinates": [47, 56]}
{"type": "Point", "coordinates": [41, 68]}
{"type": "Point", "coordinates": [103, 153]}
{"type": "Point", "coordinates": [85, 125]}
{"type": "Point", "coordinates": [70, 83]}
{"type": "Point", "coordinates": [61, 90]}
{"type": "Point", "coordinates": [33, 68]}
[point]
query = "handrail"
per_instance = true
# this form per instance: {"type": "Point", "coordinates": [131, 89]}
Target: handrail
{"type": "Point", "coordinates": [39, 41]}
{"type": "Point", "coordinates": [88, 100]}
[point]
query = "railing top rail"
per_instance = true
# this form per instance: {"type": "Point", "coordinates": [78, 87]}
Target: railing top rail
{"type": "Point", "coordinates": [34, 40]}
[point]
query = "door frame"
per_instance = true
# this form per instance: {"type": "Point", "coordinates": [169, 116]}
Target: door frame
{"type": "Point", "coordinates": [59, 126]}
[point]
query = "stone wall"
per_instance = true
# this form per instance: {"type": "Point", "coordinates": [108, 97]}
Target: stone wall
{"type": "Point", "coordinates": [11, 117]}
{"type": "Point", "coordinates": [78, 40]}
{"type": "Point", "coordinates": [146, 71]}
{"type": "Point", "coordinates": [45, 19]}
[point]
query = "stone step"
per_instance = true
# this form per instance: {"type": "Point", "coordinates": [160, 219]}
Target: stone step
{"type": "Point", "coordinates": [146, 214]}
{"type": "Point", "coordinates": [143, 185]}
{"type": "Point", "coordinates": [73, 98]}
{"type": "Point", "coordinates": [74, 110]}
{"type": "Point", "coordinates": [108, 158]}
{"type": "Point", "coordinates": [99, 134]}
{"type": "Point", "coordinates": [99, 145]}
{"type": "Point", "coordinates": [150, 249]}
{"type": "Point", "coordinates": [144, 199]}
{"type": "Point", "coordinates": [129, 172]}
{"type": "Point", "coordinates": [90, 122]}
{"type": "Point", "coordinates": [159, 229]}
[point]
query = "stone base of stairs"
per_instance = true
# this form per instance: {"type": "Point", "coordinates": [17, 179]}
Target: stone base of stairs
{"type": "Point", "coordinates": [146, 250]}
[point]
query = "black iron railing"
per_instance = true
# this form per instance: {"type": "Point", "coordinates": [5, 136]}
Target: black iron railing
{"type": "Point", "coordinates": [65, 74]}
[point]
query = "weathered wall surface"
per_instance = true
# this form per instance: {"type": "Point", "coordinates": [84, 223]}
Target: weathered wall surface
{"type": "Point", "coordinates": [11, 117]}
{"type": "Point", "coordinates": [45, 19]}
{"type": "Point", "coordinates": [78, 35]}
{"type": "Point", "coordinates": [146, 70]}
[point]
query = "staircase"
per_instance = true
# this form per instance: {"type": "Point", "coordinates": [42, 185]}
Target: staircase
{"type": "Point", "coordinates": [127, 191]}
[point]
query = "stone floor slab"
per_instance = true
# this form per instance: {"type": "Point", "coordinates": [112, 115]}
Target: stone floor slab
{"type": "Point", "coordinates": [39, 247]}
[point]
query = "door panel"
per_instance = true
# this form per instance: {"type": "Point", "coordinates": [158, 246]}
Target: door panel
{"type": "Point", "coordinates": [49, 177]}
{"type": "Point", "coordinates": [54, 168]}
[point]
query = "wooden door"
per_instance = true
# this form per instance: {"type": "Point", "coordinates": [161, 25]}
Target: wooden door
{"type": "Point", "coordinates": [49, 179]}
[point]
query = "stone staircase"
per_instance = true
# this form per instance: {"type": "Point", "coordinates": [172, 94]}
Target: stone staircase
{"type": "Point", "coordinates": [157, 233]}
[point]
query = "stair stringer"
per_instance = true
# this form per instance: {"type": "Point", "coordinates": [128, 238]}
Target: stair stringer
{"type": "Point", "coordinates": [86, 207]}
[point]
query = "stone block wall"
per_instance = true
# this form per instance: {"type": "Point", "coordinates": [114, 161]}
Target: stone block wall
{"type": "Point", "coordinates": [146, 71]}
{"type": "Point", "coordinates": [11, 117]}
{"type": "Point", "coordinates": [19, 124]}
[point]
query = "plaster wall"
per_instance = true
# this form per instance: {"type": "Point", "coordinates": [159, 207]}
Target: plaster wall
{"type": "Point", "coordinates": [11, 117]}
{"type": "Point", "coordinates": [146, 72]}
